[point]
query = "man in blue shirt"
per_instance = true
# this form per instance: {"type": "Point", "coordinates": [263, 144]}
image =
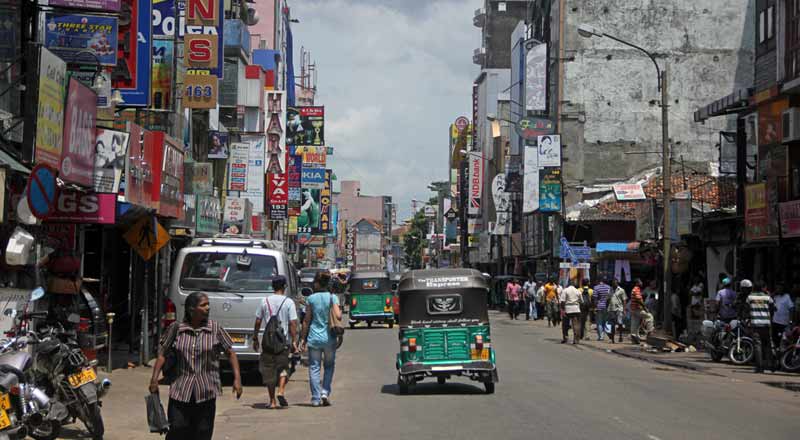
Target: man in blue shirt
{"type": "Point", "coordinates": [726, 298]}
{"type": "Point", "coordinates": [319, 340]}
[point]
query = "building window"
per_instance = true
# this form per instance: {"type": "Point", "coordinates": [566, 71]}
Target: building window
{"type": "Point", "coordinates": [501, 6]}
{"type": "Point", "coordinates": [766, 25]}
{"type": "Point", "coordinates": [792, 39]}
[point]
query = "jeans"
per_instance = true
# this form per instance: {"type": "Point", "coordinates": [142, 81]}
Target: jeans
{"type": "Point", "coordinates": [601, 324]}
{"type": "Point", "coordinates": [532, 312]}
{"type": "Point", "coordinates": [191, 420]}
{"type": "Point", "coordinates": [315, 364]}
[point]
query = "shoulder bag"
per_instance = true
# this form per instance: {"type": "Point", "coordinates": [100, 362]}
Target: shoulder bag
{"type": "Point", "coordinates": [170, 368]}
{"type": "Point", "coordinates": [335, 324]}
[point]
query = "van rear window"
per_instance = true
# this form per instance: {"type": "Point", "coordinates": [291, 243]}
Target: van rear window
{"type": "Point", "coordinates": [223, 271]}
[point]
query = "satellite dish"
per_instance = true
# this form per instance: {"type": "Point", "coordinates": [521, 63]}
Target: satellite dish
{"type": "Point", "coordinates": [37, 294]}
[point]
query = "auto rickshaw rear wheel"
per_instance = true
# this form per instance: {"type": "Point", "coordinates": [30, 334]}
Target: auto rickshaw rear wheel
{"type": "Point", "coordinates": [402, 386]}
{"type": "Point", "coordinates": [369, 324]}
{"type": "Point", "coordinates": [489, 387]}
{"type": "Point", "coordinates": [352, 325]}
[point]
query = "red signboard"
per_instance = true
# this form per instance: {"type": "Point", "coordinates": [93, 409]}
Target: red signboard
{"type": "Point", "coordinates": [790, 219]}
{"type": "Point", "coordinates": [80, 118]}
{"type": "Point", "coordinates": [167, 188]}
{"type": "Point", "coordinates": [77, 207]}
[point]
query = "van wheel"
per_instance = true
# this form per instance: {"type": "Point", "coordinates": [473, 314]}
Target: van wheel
{"type": "Point", "coordinates": [441, 380]}
{"type": "Point", "coordinates": [489, 387]}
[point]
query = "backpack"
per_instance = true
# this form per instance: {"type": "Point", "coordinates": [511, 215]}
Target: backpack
{"type": "Point", "coordinates": [274, 340]}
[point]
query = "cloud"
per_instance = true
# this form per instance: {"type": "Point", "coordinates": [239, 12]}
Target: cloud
{"type": "Point", "coordinates": [393, 75]}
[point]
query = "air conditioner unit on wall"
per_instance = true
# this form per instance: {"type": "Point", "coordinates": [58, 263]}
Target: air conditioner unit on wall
{"type": "Point", "coordinates": [791, 125]}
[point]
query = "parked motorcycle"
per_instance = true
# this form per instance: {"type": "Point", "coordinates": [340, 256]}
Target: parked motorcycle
{"type": "Point", "coordinates": [721, 339]}
{"type": "Point", "coordinates": [789, 350]}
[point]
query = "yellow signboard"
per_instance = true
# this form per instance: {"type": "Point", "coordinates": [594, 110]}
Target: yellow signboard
{"type": "Point", "coordinates": [146, 237]}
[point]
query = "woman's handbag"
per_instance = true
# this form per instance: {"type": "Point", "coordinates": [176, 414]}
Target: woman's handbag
{"type": "Point", "coordinates": [170, 368]}
{"type": "Point", "coordinates": [335, 324]}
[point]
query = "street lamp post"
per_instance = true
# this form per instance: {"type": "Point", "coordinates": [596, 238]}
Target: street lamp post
{"type": "Point", "coordinates": [587, 31]}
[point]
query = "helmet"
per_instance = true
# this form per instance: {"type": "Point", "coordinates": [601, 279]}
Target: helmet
{"type": "Point", "coordinates": [726, 281]}
{"type": "Point", "coordinates": [746, 283]}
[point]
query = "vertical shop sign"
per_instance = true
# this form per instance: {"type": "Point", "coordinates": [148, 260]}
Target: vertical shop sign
{"type": "Point", "coordinates": [294, 181]}
{"type": "Point", "coordinates": [305, 126]}
{"type": "Point", "coordinates": [134, 61]}
{"type": "Point", "coordinates": [278, 196]}
{"type": "Point", "coordinates": [550, 190]}
{"type": "Point", "coordinates": [536, 78]}
{"type": "Point", "coordinates": [161, 76]}
{"type": "Point", "coordinates": [50, 113]}
{"type": "Point", "coordinates": [255, 173]}
{"type": "Point", "coordinates": [325, 204]}
{"type": "Point", "coordinates": [111, 152]}
{"type": "Point", "coordinates": [237, 166]}
{"type": "Point", "coordinates": [475, 183]}
{"type": "Point", "coordinates": [80, 117]}
{"type": "Point", "coordinates": [207, 22]}
{"type": "Point", "coordinates": [171, 190]}
{"type": "Point", "coordinates": [756, 218]}
{"type": "Point", "coordinates": [530, 180]}
{"type": "Point", "coordinates": [276, 133]}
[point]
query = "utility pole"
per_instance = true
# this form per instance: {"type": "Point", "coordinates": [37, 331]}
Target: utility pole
{"type": "Point", "coordinates": [667, 184]}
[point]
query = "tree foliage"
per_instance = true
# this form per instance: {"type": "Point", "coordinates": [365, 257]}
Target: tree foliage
{"type": "Point", "coordinates": [414, 241]}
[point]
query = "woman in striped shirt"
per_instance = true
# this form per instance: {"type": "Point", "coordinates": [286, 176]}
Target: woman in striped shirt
{"type": "Point", "coordinates": [197, 343]}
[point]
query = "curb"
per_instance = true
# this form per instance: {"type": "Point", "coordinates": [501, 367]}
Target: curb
{"type": "Point", "coordinates": [644, 358]}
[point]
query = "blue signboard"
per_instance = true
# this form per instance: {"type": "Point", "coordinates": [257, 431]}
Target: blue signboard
{"type": "Point", "coordinates": [550, 190]}
{"type": "Point", "coordinates": [81, 38]}
{"type": "Point", "coordinates": [164, 27]}
{"type": "Point", "coordinates": [136, 92]}
{"type": "Point", "coordinates": [313, 178]}
{"type": "Point", "coordinates": [575, 253]}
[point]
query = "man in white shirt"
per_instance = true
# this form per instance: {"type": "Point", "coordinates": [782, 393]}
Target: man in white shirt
{"type": "Point", "coordinates": [529, 289]}
{"type": "Point", "coordinates": [571, 300]}
{"type": "Point", "coordinates": [784, 307]}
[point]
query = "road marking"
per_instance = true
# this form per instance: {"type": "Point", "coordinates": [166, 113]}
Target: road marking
{"type": "Point", "coordinates": [652, 437]}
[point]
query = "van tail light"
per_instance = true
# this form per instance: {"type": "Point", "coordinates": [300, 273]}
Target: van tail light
{"type": "Point", "coordinates": [388, 301]}
{"type": "Point", "coordinates": [479, 342]}
{"type": "Point", "coordinates": [354, 302]}
{"type": "Point", "coordinates": [170, 314]}
{"type": "Point", "coordinates": [412, 345]}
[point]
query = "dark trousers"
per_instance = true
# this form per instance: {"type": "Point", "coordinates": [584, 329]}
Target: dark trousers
{"type": "Point", "coordinates": [777, 333]}
{"type": "Point", "coordinates": [191, 420]}
{"type": "Point", "coordinates": [584, 318]}
{"type": "Point", "coordinates": [571, 320]}
{"type": "Point", "coordinates": [762, 349]}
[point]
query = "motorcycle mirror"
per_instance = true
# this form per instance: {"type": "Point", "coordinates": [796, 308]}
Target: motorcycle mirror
{"type": "Point", "coordinates": [37, 294]}
{"type": "Point", "coordinates": [74, 318]}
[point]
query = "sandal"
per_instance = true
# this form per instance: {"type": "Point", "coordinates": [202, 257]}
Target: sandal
{"type": "Point", "coordinates": [282, 401]}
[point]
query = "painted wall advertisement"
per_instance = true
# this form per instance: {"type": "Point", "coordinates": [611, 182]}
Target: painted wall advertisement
{"type": "Point", "coordinates": [67, 35]}
{"type": "Point", "coordinates": [111, 152]}
{"type": "Point", "coordinates": [790, 219]}
{"type": "Point", "coordinates": [530, 181]}
{"type": "Point", "coordinates": [161, 76]}
{"type": "Point", "coordinates": [305, 126]}
{"type": "Point", "coordinates": [80, 117]}
{"type": "Point", "coordinates": [276, 134]}
{"type": "Point", "coordinates": [134, 61]}
{"type": "Point", "coordinates": [237, 166]}
{"type": "Point", "coordinates": [475, 184]}
{"type": "Point", "coordinates": [255, 173]}
{"type": "Point", "coordinates": [50, 113]}
{"type": "Point", "coordinates": [756, 215]}
{"type": "Point", "coordinates": [550, 190]}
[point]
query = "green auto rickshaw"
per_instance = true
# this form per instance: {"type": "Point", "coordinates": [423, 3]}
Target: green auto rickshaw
{"type": "Point", "coordinates": [370, 298]}
{"type": "Point", "coordinates": [444, 328]}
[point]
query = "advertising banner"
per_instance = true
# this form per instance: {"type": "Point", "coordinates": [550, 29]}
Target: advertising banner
{"type": "Point", "coordinates": [308, 220]}
{"type": "Point", "coordinates": [171, 194]}
{"type": "Point", "coordinates": [134, 61]}
{"type": "Point", "coordinates": [313, 157]}
{"type": "Point", "coordinates": [536, 78]}
{"type": "Point", "coordinates": [278, 196]}
{"type": "Point", "coordinates": [236, 218]}
{"type": "Point", "coordinates": [198, 178]}
{"type": "Point", "coordinates": [111, 153]}
{"type": "Point", "coordinates": [627, 192]}
{"type": "Point", "coordinates": [68, 34]}
{"type": "Point", "coordinates": [77, 207]}
{"type": "Point", "coordinates": [549, 151]}
{"type": "Point", "coordinates": [218, 145]}
{"type": "Point", "coordinates": [790, 219]}
{"type": "Point", "coordinates": [313, 178]}
{"type": "Point", "coordinates": [161, 77]}
{"type": "Point", "coordinates": [237, 166]}
{"type": "Point", "coordinates": [138, 168]}
{"type": "Point", "coordinates": [530, 181]}
{"type": "Point", "coordinates": [680, 218]}
{"type": "Point", "coordinates": [325, 204]}
{"type": "Point", "coordinates": [294, 179]}
{"type": "Point", "coordinates": [100, 5]}
{"type": "Point", "coordinates": [80, 117]}
{"type": "Point", "coordinates": [756, 217]}
{"type": "Point", "coordinates": [550, 190]}
{"type": "Point", "coordinates": [50, 113]}
{"type": "Point", "coordinates": [205, 10]}
{"type": "Point", "coordinates": [475, 184]}
{"type": "Point", "coordinates": [276, 133]}
{"type": "Point", "coordinates": [208, 215]}
{"type": "Point", "coordinates": [502, 206]}
{"type": "Point", "coordinates": [531, 128]}
{"type": "Point", "coordinates": [255, 173]}
{"type": "Point", "coordinates": [305, 126]}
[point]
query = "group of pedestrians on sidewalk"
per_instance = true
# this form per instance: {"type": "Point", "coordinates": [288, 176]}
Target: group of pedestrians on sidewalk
{"type": "Point", "coordinates": [193, 346]}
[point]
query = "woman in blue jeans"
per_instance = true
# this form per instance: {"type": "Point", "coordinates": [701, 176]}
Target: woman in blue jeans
{"type": "Point", "coordinates": [319, 340]}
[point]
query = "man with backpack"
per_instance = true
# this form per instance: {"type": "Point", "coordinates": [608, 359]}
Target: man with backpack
{"type": "Point", "coordinates": [281, 317]}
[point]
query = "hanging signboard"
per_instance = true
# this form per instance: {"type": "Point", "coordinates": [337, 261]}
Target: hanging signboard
{"type": "Point", "coordinates": [68, 35]}
{"type": "Point", "coordinates": [171, 181]}
{"type": "Point", "coordinates": [790, 219]}
{"type": "Point", "coordinates": [305, 126]}
{"type": "Point", "coordinates": [100, 5]}
{"type": "Point", "coordinates": [530, 180]}
{"type": "Point", "coordinates": [756, 217]}
{"type": "Point", "coordinates": [502, 206]}
{"type": "Point", "coordinates": [313, 178]}
{"type": "Point", "coordinates": [255, 172]}
{"type": "Point", "coordinates": [139, 168]}
{"type": "Point", "coordinates": [626, 192]}
{"type": "Point", "coordinates": [308, 220]}
{"type": "Point", "coordinates": [294, 183]}
{"type": "Point", "coordinates": [313, 157]}
{"type": "Point", "coordinates": [132, 76]}
{"type": "Point", "coordinates": [237, 216]}
{"type": "Point", "coordinates": [161, 76]}
{"type": "Point", "coordinates": [77, 207]}
{"type": "Point", "coordinates": [531, 128]}
{"type": "Point", "coordinates": [200, 91]}
{"type": "Point", "coordinates": [276, 135]}
{"type": "Point", "coordinates": [208, 215]}
{"type": "Point", "coordinates": [237, 166]}
{"type": "Point", "coordinates": [475, 184]}
{"type": "Point", "coordinates": [536, 79]}
{"type": "Point", "coordinates": [278, 196]}
{"type": "Point", "coordinates": [111, 152]}
{"type": "Point", "coordinates": [549, 151]}
{"type": "Point", "coordinates": [550, 190]}
{"type": "Point", "coordinates": [218, 147]}
{"type": "Point", "coordinates": [80, 117]}
{"type": "Point", "coordinates": [206, 18]}
{"type": "Point", "coordinates": [50, 113]}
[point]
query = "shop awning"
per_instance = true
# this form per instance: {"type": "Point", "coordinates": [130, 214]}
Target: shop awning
{"type": "Point", "coordinates": [14, 164]}
{"type": "Point", "coordinates": [617, 247]}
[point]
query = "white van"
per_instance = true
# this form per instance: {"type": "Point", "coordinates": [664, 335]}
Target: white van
{"type": "Point", "coordinates": [236, 273]}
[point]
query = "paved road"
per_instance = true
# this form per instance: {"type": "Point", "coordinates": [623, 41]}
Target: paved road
{"type": "Point", "coordinates": [546, 390]}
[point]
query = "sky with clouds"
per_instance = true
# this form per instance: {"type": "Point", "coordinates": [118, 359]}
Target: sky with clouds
{"type": "Point", "coordinates": [393, 75]}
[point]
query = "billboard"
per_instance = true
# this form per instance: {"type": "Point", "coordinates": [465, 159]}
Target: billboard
{"type": "Point", "coordinates": [111, 151]}
{"type": "Point", "coordinates": [502, 205]}
{"type": "Point", "coordinates": [255, 172]}
{"type": "Point", "coordinates": [134, 61]}
{"type": "Point", "coordinates": [536, 78]}
{"type": "Point", "coordinates": [325, 204]}
{"type": "Point", "coordinates": [68, 35]}
{"type": "Point", "coordinates": [626, 192]}
{"type": "Point", "coordinates": [310, 209]}
{"type": "Point", "coordinates": [161, 76]}
{"type": "Point", "coordinates": [475, 184]}
{"type": "Point", "coordinates": [50, 112]}
{"type": "Point", "coordinates": [164, 23]}
{"type": "Point", "coordinates": [550, 190]}
{"type": "Point", "coordinates": [313, 178]}
{"type": "Point", "coordinates": [278, 196]}
{"type": "Point", "coordinates": [305, 125]}
{"type": "Point", "coordinates": [276, 133]}
{"type": "Point", "coordinates": [294, 182]}
{"type": "Point", "coordinates": [237, 166]}
{"type": "Point", "coordinates": [530, 182]}
{"type": "Point", "coordinates": [80, 119]}
{"type": "Point", "coordinates": [218, 147]}
{"type": "Point", "coordinates": [549, 151]}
